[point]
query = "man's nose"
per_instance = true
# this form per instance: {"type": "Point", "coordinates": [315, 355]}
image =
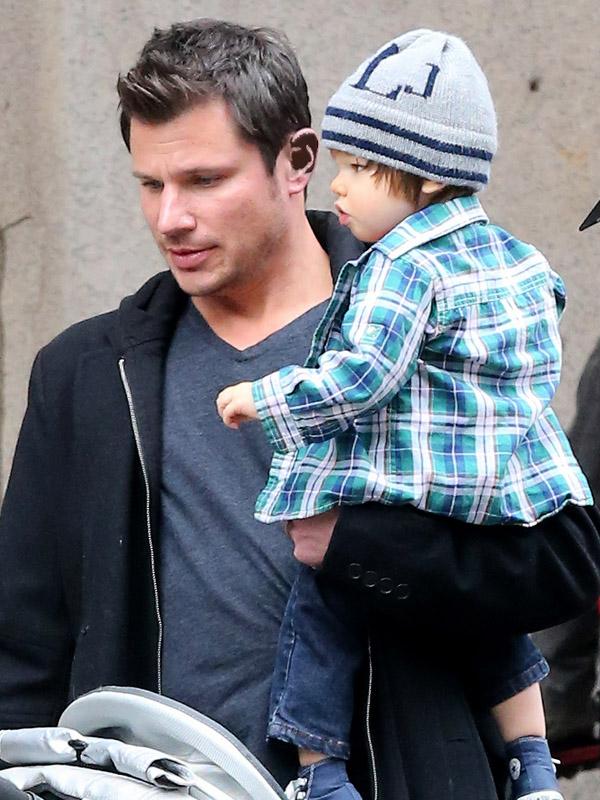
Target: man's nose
{"type": "Point", "coordinates": [337, 186]}
{"type": "Point", "coordinates": [173, 214]}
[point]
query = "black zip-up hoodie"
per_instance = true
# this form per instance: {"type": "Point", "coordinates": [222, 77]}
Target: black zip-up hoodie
{"type": "Point", "coordinates": [78, 578]}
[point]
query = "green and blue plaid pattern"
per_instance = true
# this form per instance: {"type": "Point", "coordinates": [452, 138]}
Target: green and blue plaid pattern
{"type": "Point", "coordinates": [429, 382]}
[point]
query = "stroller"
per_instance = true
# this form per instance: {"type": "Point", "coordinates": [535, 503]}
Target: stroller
{"type": "Point", "coordinates": [129, 744]}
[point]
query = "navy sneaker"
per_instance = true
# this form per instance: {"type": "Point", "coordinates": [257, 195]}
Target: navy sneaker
{"type": "Point", "coordinates": [531, 770]}
{"type": "Point", "coordinates": [325, 780]}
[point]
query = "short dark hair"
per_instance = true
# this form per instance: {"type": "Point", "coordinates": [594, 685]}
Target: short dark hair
{"type": "Point", "coordinates": [410, 185]}
{"type": "Point", "coordinates": [254, 70]}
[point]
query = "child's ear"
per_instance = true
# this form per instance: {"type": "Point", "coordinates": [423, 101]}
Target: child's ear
{"type": "Point", "coordinates": [430, 187]}
{"type": "Point", "coordinates": [302, 146]}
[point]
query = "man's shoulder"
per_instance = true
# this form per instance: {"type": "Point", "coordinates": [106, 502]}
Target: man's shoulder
{"type": "Point", "coordinates": [113, 331]}
{"type": "Point", "coordinates": [87, 334]}
{"type": "Point", "coordinates": [337, 240]}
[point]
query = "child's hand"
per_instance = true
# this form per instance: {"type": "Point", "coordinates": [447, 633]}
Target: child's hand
{"type": "Point", "coordinates": [235, 405]}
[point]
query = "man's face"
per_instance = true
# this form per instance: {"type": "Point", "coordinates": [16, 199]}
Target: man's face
{"type": "Point", "coordinates": [365, 204]}
{"type": "Point", "coordinates": [215, 212]}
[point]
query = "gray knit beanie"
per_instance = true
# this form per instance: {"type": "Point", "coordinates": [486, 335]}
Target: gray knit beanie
{"type": "Point", "coordinates": [421, 104]}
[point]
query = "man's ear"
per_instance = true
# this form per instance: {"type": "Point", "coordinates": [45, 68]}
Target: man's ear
{"type": "Point", "coordinates": [302, 153]}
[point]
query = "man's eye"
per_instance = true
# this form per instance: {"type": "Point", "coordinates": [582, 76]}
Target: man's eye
{"type": "Point", "coordinates": [206, 181]}
{"type": "Point", "coordinates": [153, 186]}
{"type": "Point", "coordinates": [358, 167]}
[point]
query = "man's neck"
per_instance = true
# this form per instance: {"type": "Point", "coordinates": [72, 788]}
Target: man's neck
{"type": "Point", "coordinates": [297, 279]}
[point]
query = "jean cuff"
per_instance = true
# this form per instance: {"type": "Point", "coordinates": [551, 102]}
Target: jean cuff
{"type": "Point", "coordinates": [329, 746]}
{"type": "Point", "coordinates": [517, 683]}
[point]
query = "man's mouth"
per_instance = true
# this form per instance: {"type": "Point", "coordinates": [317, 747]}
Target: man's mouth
{"type": "Point", "coordinates": [188, 258]}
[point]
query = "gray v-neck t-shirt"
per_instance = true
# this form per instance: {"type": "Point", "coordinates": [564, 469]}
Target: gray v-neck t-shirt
{"type": "Point", "coordinates": [224, 577]}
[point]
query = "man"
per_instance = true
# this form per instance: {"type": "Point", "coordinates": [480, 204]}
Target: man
{"type": "Point", "coordinates": [128, 551]}
{"type": "Point", "coordinates": [572, 691]}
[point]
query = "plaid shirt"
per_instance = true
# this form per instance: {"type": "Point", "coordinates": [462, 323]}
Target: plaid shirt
{"type": "Point", "coordinates": [428, 382]}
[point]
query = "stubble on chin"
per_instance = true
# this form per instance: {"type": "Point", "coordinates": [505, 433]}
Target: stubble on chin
{"type": "Point", "coordinates": [200, 285]}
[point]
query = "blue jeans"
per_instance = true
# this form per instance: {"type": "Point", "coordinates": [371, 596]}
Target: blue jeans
{"type": "Point", "coordinates": [322, 643]}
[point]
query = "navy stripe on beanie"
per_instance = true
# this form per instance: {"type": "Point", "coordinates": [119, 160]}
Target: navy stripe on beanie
{"type": "Point", "coordinates": [375, 149]}
{"type": "Point", "coordinates": [412, 136]}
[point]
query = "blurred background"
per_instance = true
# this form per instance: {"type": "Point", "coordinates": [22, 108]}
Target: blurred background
{"type": "Point", "coordinates": [72, 239]}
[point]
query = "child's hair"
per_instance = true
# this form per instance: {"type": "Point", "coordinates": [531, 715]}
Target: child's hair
{"type": "Point", "coordinates": [404, 183]}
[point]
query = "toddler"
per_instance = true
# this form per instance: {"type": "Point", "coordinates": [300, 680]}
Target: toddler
{"type": "Point", "coordinates": [428, 383]}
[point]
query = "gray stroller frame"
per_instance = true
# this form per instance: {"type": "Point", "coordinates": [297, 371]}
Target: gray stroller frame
{"type": "Point", "coordinates": [130, 744]}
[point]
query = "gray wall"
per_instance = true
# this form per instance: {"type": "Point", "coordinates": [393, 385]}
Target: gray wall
{"type": "Point", "coordinates": [73, 241]}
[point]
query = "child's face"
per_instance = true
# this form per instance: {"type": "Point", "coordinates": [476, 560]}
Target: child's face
{"type": "Point", "coordinates": [364, 204]}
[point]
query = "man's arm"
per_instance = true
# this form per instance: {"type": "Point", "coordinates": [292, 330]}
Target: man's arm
{"type": "Point", "coordinates": [447, 575]}
{"type": "Point", "coordinates": [34, 642]}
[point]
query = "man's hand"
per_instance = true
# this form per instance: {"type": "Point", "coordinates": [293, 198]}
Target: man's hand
{"type": "Point", "coordinates": [311, 536]}
{"type": "Point", "coordinates": [235, 405]}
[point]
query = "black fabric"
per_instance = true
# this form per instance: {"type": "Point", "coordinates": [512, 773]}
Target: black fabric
{"type": "Point", "coordinates": [76, 589]}
{"type": "Point", "coordinates": [444, 574]}
{"type": "Point", "coordinates": [417, 706]}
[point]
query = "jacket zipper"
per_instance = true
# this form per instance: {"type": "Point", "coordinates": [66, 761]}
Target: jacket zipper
{"type": "Point", "coordinates": [140, 452]}
{"type": "Point", "coordinates": [370, 747]}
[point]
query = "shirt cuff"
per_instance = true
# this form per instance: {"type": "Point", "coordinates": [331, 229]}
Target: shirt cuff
{"type": "Point", "coordinates": [274, 413]}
